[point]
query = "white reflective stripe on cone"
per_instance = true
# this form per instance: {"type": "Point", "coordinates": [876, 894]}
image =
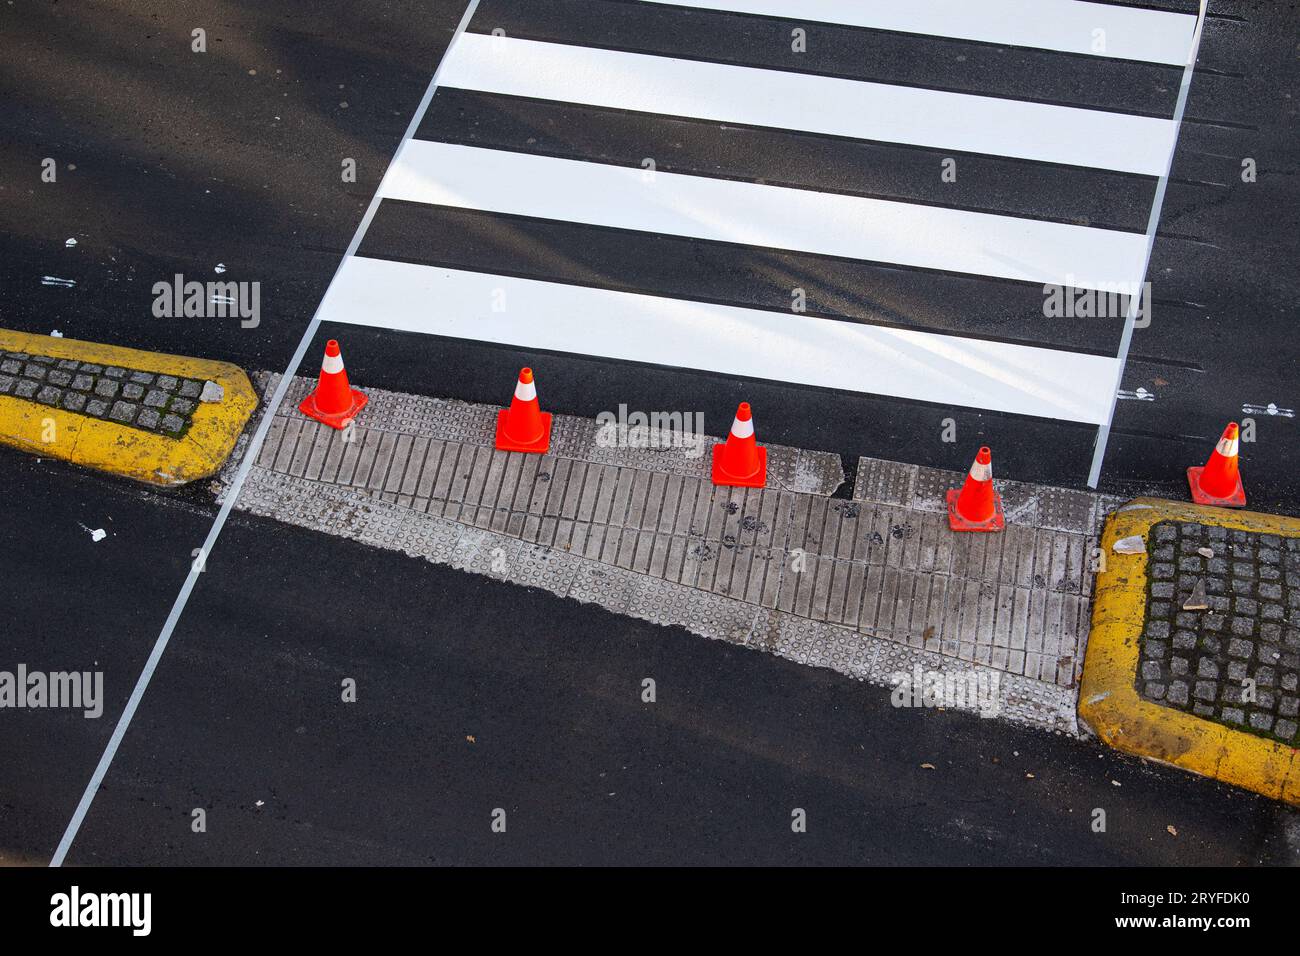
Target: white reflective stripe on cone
{"type": "Point", "coordinates": [1227, 447]}
{"type": "Point", "coordinates": [981, 472]}
{"type": "Point", "coordinates": [742, 429]}
{"type": "Point", "coordinates": [332, 365]}
{"type": "Point", "coordinates": [525, 391]}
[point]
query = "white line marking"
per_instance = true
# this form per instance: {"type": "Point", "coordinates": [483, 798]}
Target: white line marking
{"type": "Point", "coordinates": [780, 346]}
{"type": "Point", "coordinates": [1153, 36]}
{"type": "Point", "coordinates": [1153, 223]}
{"type": "Point", "coordinates": [1138, 395]}
{"type": "Point", "coordinates": [1269, 409]}
{"type": "Point", "coordinates": [817, 104]}
{"type": "Point", "coordinates": [254, 446]}
{"type": "Point", "coordinates": [774, 216]}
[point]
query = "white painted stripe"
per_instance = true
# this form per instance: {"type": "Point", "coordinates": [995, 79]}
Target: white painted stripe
{"type": "Point", "coordinates": [1153, 36]}
{"type": "Point", "coordinates": [742, 429]}
{"type": "Point", "coordinates": [1153, 223]}
{"type": "Point", "coordinates": [525, 391]}
{"type": "Point", "coordinates": [1227, 447]}
{"type": "Point", "coordinates": [981, 472]}
{"type": "Point", "coordinates": [946, 369]}
{"type": "Point", "coordinates": [816, 104]}
{"type": "Point", "coordinates": [332, 364]}
{"type": "Point", "coordinates": [850, 226]}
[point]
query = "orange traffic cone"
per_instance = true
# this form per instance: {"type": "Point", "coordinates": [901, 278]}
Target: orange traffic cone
{"type": "Point", "coordinates": [1219, 482]}
{"type": "Point", "coordinates": [524, 426]}
{"type": "Point", "coordinates": [740, 461]}
{"type": "Point", "coordinates": [334, 402]}
{"type": "Point", "coordinates": [977, 507]}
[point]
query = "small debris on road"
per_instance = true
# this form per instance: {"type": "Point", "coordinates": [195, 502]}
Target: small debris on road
{"type": "Point", "coordinates": [1196, 601]}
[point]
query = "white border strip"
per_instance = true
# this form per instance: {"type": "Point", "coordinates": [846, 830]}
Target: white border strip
{"type": "Point", "coordinates": [1068, 26]}
{"type": "Point", "coordinates": [1153, 223]}
{"type": "Point", "coordinates": [250, 455]}
{"type": "Point", "coordinates": [824, 105]}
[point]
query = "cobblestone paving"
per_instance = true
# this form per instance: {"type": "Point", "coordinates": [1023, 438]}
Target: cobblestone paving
{"type": "Point", "coordinates": [1237, 661]}
{"type": "Point", "coordinates": [163, 404]}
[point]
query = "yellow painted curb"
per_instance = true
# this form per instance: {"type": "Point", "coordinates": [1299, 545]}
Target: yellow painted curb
{"type": "Point", "coordinates": [122, 449]}
{"type": "Point", "coordinates": [1108, 697]}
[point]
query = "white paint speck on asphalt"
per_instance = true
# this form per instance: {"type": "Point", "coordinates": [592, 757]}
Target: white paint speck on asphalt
{"type": "Point", "coordinates": [1138, 394]}
{"type": "Point", "coordinates": [1269, 409]}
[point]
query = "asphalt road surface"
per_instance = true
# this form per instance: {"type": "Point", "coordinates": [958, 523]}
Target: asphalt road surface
{"type": "Point", "coordinates": [686, 273]}
{"type": "Point", "coordinates": [528, 703]}
{"type": "Point", "coordinates": [174, 162]}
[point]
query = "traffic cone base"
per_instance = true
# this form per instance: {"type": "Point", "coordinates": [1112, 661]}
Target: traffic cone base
{"type": "Point", "coordinates": [723, 477]}
{"type": "Point", "coordinates": [333, 401]}
{"type": "Point", "coordinates": [334, 419]}
{"type": "Point", "coordinates": [959, 522]}
{"type": "Point", "coordinates": [977, 506]}
{"type": "Point", "coordinates": [507, 442]}
{"type": "Point", "coordinates": [1219, 481]}
{"type": "Point", "coordinates": [1237, 498]}
{"type": "Point", "coordinates": [740, 461]}
{"type": "Point", "coordinates": [523, 426]}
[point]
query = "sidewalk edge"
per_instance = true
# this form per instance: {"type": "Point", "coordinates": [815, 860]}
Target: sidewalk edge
{"type": "Point", "coordinates": [1108, 699]}
{"type": "Point", "coordinates": [121, 449]}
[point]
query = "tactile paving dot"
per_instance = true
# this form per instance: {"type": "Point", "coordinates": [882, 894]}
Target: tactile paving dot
{"type": "Point", "coordinates": [883, 482]}
{"type": "Point", "coordinates": [1065, 510]}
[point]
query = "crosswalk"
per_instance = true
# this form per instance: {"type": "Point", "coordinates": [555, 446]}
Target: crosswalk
{"type": "Point", "coordinates": [826, 105]}
{"type": "Point", "coordinates": [945, 160]}
{"type": "Point", "coordinates": [1068, 26]}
